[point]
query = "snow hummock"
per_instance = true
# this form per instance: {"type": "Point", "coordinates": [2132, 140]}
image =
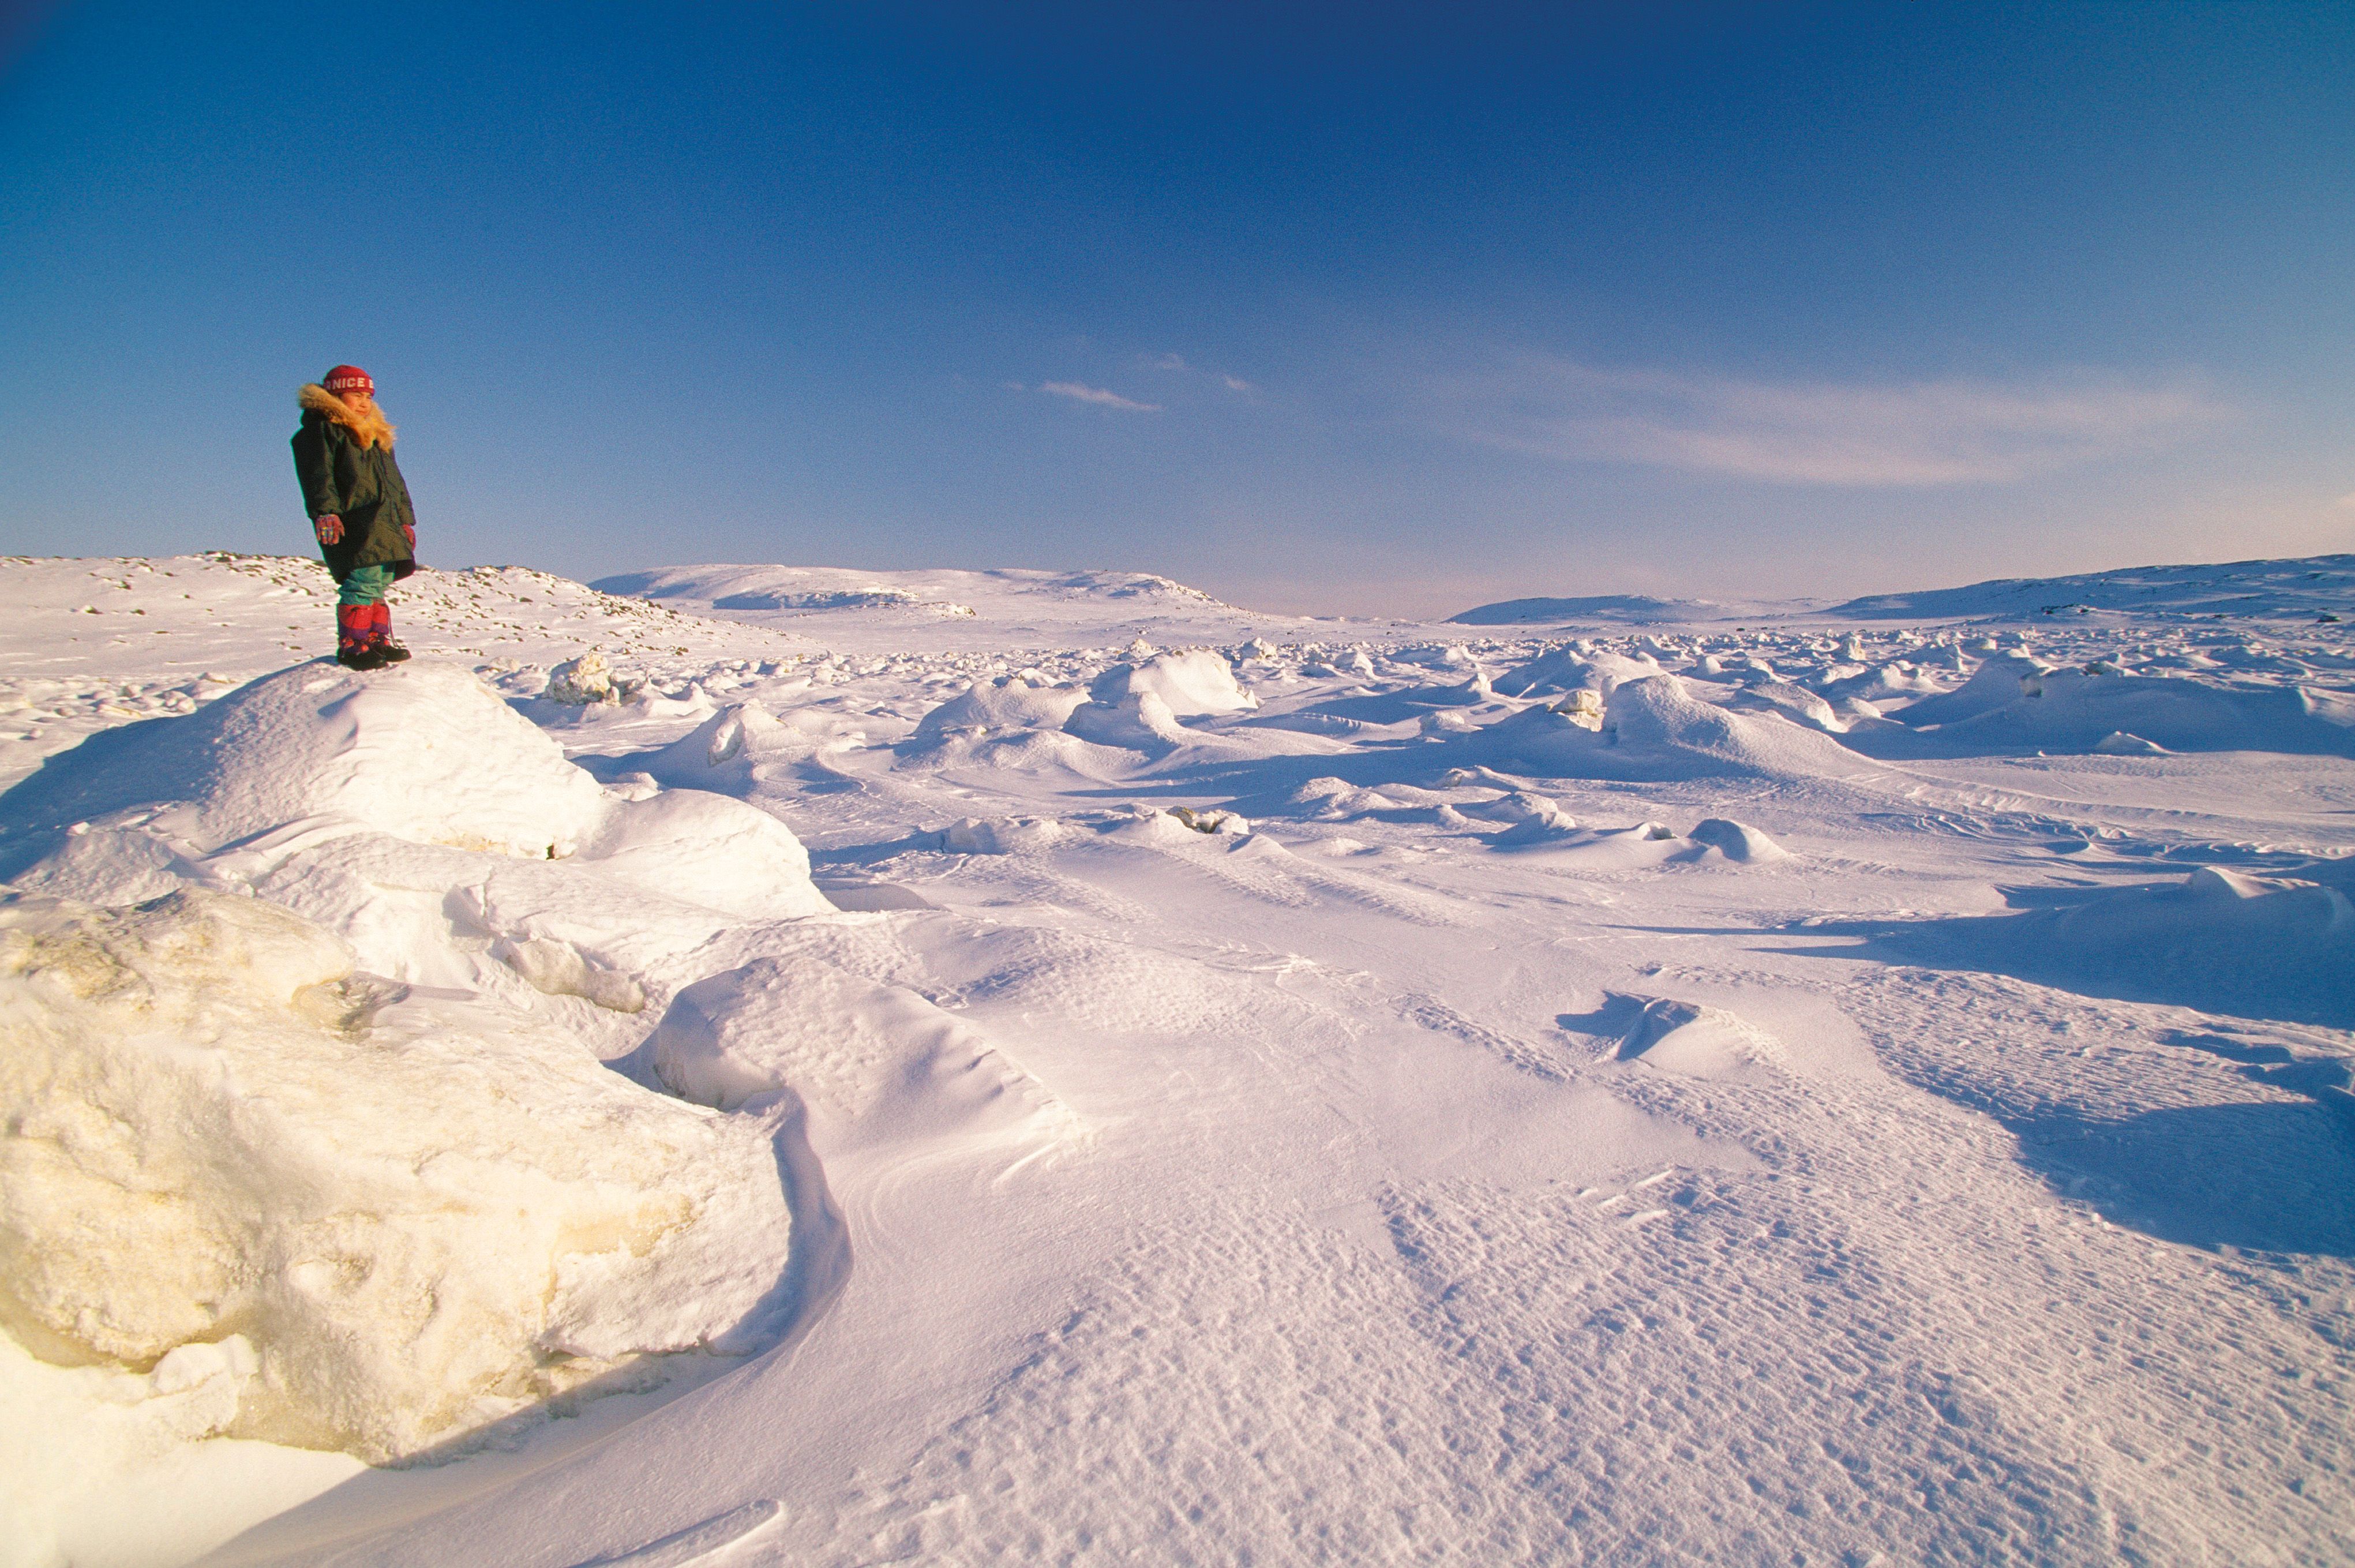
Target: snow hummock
{"type": "Point", "coordinates": [429, 754]}
{"type": "Point", "coordinates": [1007, 702]}
{"type": "Point", "coordinates": [1189, 683]}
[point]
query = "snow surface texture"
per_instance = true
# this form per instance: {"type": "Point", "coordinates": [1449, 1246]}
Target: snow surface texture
{"type": "Point", "coordinates": [1775, 1085]}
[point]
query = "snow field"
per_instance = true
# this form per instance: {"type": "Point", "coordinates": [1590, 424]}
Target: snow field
{"type": "Point", "coordinates": [1641, 1095]}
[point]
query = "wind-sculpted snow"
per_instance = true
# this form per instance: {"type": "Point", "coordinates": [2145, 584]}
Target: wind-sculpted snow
{"type": "Point", "coordinates": [417, 1215]}
{"type": "Point", "coordinates": [1776, 1086]}
{"type": "Point", "coordinates": [867, 1057]}
{"type": "Point", "coordinates": [2231, 942]}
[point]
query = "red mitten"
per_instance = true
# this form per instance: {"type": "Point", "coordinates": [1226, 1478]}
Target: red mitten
{"type": "Point", "coordinates": [330, 529]}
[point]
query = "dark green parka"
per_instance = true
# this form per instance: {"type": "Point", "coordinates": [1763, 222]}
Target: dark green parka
{"type": "Point", "coordinates": [361, 485]}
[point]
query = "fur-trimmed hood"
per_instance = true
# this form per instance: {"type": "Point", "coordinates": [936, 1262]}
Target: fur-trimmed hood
{"type": "Point", "coordinates": [369, 429]}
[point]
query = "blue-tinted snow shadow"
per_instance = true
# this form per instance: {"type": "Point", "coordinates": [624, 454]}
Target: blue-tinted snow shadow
{"type": "Point", "coordinates": [2274, 1175]}
{"type": "Point", "coordinates": [2296, 974]}
{"type": "Point", "coordinates": [135, 764]}
{"type": "Point", "coordinates": [2271, 1175]}
{"type": "Point", "coordinates": [2262, 1175]}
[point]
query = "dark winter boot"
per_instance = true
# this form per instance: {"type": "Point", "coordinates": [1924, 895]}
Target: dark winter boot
{"type": "Point", "coordinates": [356, 637]}
{"type": "Point", "coordinates": [387, 649]}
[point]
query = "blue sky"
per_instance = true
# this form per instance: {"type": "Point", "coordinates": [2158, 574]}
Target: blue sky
{"type": "Point", "coordinates": [1320, 307]}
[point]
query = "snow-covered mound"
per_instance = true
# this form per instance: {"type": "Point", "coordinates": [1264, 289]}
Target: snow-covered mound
{"type": "Point", "coordinates": [1581, 667]}
{"type": "Point", "coordinates": [425, 754]}
{"type": "Point", "coordinates": [1653, 728]}
{"type": "Point", "coordinates": [1007, 703]}
{"type": "Point", "coordinates": [2301, 588]}
{"type": "Point", "coordinates": [1192, 684]}
{"type": "Point", "coordinates": [404, 1218]}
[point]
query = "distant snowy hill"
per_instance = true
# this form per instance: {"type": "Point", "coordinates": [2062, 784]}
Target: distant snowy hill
{"type": "Point", "coordinates": [2295, 590]}
{"type": "Point", "coordinates": [1622, 609]}
{"type": "Point", "coordinates": [941, 607]}
{"type": "Point", "coordinates": [2316, 585]}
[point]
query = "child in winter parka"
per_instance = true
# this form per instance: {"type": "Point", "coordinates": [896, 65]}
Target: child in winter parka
{"type": "Point", "coordinates": [359, 510]}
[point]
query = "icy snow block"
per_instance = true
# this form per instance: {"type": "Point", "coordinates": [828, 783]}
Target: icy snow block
{"type": "Point", "coordinates": [1659, 716]}
{"type": "Point", "coordinates": [1191, 683]}
{"type": "Point", "coordinates": [1797, 701]}
{"type": "Point", "coordinates": [560, 969]}
{"type": "Point", "coordinates": [425, 1215]}
{"type": "Point", "coordinates": [1006, 703]}
{"type": "Point", "coordinates": [581, 681]}
{"type": "Point", "coordinates": [2002, 680]}
{"type": "Point", "coordinates": [1737, 840]}
{"type": "Point", "coordinates": [1655, 729]}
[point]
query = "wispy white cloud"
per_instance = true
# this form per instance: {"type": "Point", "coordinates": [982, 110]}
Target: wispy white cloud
{"type": "Point", "coordinates": [1804, 433]}
{"type": "Point", "coordinates": [1237, 384]}
{"type": "Point", "coordinates": [1080, 392]}
{"type": "Point", "coordinates": [1166, 361]}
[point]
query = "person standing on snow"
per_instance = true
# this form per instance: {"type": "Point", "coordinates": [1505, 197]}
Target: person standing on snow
{"type": "Point", "coordinates": [359, 510]}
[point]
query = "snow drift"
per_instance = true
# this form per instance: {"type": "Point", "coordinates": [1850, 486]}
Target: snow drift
{"type": "Point", "coordinates": [404, 1218]}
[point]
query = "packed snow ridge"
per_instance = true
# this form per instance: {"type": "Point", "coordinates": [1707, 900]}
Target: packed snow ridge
{"type": "Point", "coordinates": [1115, 1076]}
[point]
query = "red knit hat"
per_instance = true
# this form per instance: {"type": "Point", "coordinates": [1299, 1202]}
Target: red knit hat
{"type": "Point", "coordinates": [347, 379]}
